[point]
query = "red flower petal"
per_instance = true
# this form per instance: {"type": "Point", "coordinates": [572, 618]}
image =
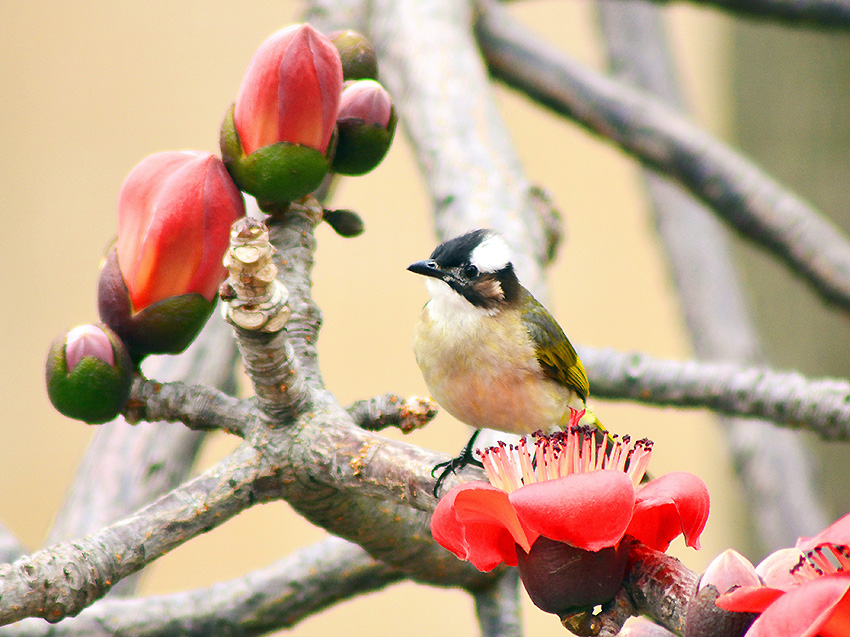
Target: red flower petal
{"type": "Point", "coordinates": [675, 503]}
{"type": "Point", "coordinates": [775, 569]}
{"type": "Point", "coordinates": [819, 607]}
{"type": "Point", "coordinates": [749, 599]}
{"type": "Point", "coordinates": [587, 510]}
{"type": "Point", "coordinates": [836, 533]}
{"type": "Point", "coordinates": [476, 522]}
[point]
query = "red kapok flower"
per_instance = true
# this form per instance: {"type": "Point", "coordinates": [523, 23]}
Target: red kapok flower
{"type": "Point", "coordinates": [806, 591]}
{"type": "Point", "coordinates": [290, 91]}
{"type": "Point", "coordinates": [571, 490]}
{"type": "Point", "coordinates": [175, 210]}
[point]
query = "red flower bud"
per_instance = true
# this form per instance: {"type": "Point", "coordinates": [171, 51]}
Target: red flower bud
{"type": "Point", "coordinates": [174, 216]}
{"type": "Point", "coordinates": [290, 91]}
{"type": "Point", "coordinates": [158, 285]}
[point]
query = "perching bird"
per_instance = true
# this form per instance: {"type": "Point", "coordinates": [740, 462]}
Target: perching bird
{"type": "Point", "coordinates": [491, 354]}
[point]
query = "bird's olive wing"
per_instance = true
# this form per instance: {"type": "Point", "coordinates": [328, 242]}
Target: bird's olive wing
{"type": "Point", "coordinates": [555, 353]}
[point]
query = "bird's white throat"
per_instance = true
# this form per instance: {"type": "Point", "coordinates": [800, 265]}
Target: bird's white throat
{"type": "Point", "coordinates": [450, 308]}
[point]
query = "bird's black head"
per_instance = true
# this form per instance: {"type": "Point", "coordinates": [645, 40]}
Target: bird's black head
{"type": "Point", "coordinates": [477, 265]}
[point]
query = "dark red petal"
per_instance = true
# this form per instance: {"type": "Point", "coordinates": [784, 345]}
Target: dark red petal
{"type": "Point", "coordinates": [819, 607]}
{"type": "Point", "coordinates": [476, 522]}
{"type": "Point", "coordinates": [675, 503]}
{"type": "Point", "coordinates": [587, 510]}
{"type": "Point", "coordinates": [836, 533]}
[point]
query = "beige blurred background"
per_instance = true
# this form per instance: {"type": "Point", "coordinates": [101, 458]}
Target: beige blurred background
{"type": "Point", "coordinates": [90, 88]}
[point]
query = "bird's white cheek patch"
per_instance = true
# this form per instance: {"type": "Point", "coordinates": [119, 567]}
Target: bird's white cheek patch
{"type": "Point", "coordinates": [492, 254]}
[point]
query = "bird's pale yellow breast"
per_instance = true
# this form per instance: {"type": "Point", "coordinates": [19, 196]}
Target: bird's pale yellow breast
{"type": "Point", "coordinates": [483, 369]}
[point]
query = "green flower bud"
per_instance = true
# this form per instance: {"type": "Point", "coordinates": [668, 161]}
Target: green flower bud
{"type": "Point", "coordinates": [366, 125]}
{"type": "Point", "coordinates": [359, 61]}
{"type": "Point", "coordinates": [88, 374]}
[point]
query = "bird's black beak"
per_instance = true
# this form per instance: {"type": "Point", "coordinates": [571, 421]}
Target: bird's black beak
{"type": "Point", "coordinates": [427, 268]}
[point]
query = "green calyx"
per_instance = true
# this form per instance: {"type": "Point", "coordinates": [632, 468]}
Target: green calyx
{"type": "Point", "coordinates": [94, 391]}
{"type": "Point", "coordinates": [361, 146]}
{"type": "Point", "coordinates": [169, 326]}
{"type": "Point", "coordinates": [278, 173]}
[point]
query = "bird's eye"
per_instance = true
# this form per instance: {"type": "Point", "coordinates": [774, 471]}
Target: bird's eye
{"type": "Point", "coordinates": [470, 271]}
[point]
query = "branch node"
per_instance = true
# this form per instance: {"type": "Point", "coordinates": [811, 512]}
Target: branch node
{"type": "Point", "coordinates": [254, 299]}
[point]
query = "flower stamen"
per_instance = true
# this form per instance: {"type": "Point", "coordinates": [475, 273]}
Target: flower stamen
{"type": "Point", "coordinates": [578, 449]}
{"type": "Point", "coordinates": [825, 559]}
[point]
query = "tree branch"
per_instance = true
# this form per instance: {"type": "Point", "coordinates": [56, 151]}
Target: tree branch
{"type": "Point", "coordinates": [784, 398]}
{"type": "Point", "coordinates": [199, 407]}
{"type": "Point", "coordinates": [659, 586]}
{"type": "Point", "coordinates": [498, 606]}
{"type": "Point", "coordinates": [821, 13]}
{"type": "Point", "coordinates": [448, 110]}
{"type": "Point", "coordinates": [278, 596]}
{"type": "Point", "coordinates": [62, 580]}
{"type": "Point", "coordinates": [773, 466]}
{"type": "Point", "coordinates": [739, 192]}
{"type": "Point", "coordinates": [390, 410]}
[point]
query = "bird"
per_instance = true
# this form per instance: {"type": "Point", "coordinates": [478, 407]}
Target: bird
{"type": "Point", "coordinates": [491, 354]}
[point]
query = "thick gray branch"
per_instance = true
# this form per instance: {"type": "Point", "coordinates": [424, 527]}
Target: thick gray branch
{"type": "Point", "coordinates": [821, 13]}
{"type": "Point", "coordinates": [65, 578]}
{"type": "Point", "coordinates": [272, 598]}
{"type": "Point", "coordinates": [498, 606]}
{"type": "Point", "coordinates": [773, 466]}
{"type": "Point", "coordinates": [784, 398]}
{"type": "Point", "coordinates": [739, 192]}
{"type": "Point", "coordinates": [447, 108]}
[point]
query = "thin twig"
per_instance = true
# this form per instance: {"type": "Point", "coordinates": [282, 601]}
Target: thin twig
{"type": "Point", "coordinates": [199, 407]}
{"type": "Point", "coordinates": [391, 410]}
{"type": "Point", "coordinates": [276, 597]}
{"type": "Point", "coordinates": [784, 398]}
{"type": "Point", "coordinates": [750, 201]}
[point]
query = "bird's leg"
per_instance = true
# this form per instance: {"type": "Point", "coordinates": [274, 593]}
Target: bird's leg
{"type": "Point", "coordinates": [459, 462]}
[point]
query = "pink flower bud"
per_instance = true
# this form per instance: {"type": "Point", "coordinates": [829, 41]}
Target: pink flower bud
{"type": "Point", "coordinates": [87, 340]}
{"type": "Point", "coordinates": [366, 100]}
{"type": "Point", "coordinates": [175, 210]}
{"type": "Point", "coordinates": [729, 569]}
{"type": "Point", "coordinates": [290, 91]}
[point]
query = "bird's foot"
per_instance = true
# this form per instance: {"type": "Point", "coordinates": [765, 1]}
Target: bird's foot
{"type": "Point", "coordinates": [464, 459]}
